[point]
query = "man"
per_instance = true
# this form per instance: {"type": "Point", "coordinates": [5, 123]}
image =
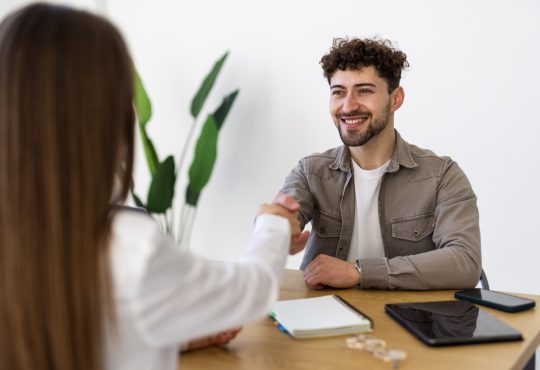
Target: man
{"type": "Point", "coordinates": [385, 214]}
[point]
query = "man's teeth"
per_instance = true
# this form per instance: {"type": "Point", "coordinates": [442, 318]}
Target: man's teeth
{"type": "Point", "coordinates": [354, 121]}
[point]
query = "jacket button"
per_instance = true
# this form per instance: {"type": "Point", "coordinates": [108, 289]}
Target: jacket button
{"type": "Point", "coordinates": [416, 233]}
{"type": "Point", "coordinates": [322, 229]}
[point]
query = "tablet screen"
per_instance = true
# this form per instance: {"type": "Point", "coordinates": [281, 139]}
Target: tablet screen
{"type": "Point", "coordinates": [451, 322]}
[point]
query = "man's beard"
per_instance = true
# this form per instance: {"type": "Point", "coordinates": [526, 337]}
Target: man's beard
{"type": "Point", "coordinates": [374, 128]}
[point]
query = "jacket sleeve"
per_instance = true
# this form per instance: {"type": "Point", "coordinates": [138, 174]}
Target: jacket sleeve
{"type": "Point", "coordinates": [181, 296]}
{"type": "Point", "coordinates": [456, 262]}
{"type": "Point", "coordinates": [297, 186]}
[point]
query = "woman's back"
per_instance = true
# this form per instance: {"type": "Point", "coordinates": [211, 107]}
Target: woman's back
{"type": "Point", "coordinates": [84, 284]}
{"type": "Point", "coordinates": [65, 110]}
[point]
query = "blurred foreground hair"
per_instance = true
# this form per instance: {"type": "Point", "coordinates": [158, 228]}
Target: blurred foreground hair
{"type": "Point", "coordinates": [66, 131]}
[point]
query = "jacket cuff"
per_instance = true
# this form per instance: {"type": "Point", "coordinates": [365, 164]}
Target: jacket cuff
{"type": "Point", "coordinates": [374, 273]}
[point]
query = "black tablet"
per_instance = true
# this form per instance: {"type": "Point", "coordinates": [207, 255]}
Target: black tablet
{"type": "Point", "coordinates": [447, 323]}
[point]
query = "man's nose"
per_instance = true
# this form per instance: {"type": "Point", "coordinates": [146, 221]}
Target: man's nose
{"type": "Point", "coordinates": [350, 104]}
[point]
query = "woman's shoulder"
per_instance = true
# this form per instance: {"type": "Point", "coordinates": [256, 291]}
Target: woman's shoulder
{"type": "Point", "coordinates": [135, 230]}
{"type": "Point", "coordinates": [135, 240]}
{"type": "Point", "coordinates": [129, 218]}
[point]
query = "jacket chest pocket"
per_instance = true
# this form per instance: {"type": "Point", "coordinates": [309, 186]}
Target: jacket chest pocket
{"type": "Point", "coordinates": [327, 226]}
{"type": "Point", "coordinates": [413, 228]}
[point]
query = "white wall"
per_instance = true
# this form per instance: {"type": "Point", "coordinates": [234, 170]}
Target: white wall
{"type": "Point", "coordinates": [471, 93]}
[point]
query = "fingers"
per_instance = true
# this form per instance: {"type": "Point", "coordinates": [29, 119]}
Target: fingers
{"type": "Point", "coordinates": [224, 338]}
{"type": "Point", "coordinates": [286, 206]}
{"type": "Point", "coordinates": [274, 209]}
{"type": "Point", "coordinates": [298, 242]}
{"type": "Point", "coordinates": [312, 275]}
{"type": "Point", "coordinates": [317, 273]}
{"type": "Point", "coordinates": [228, 335]}
{"type": "Point", "coordinates": [330, 271]}
{"type": "Point", "coordinates": [236, 330]}
{"type": "Point", "coordinates": [313, 281]}
{"type": "Point", "coordinates": [216, 339]}
{"type": "Point", "coordinates": [232, 333]}
{"type": "Point", "coordinates": [295, 227]}
{"type": "Point", "coordinates": [199, 343]}
{"type": "Point", "coordinates": [278, 210]}
{"type": "Point", "coordinates": [286, 201]}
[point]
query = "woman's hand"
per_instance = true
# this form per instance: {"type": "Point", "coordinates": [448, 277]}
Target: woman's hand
{"type": "Point", "coordinates": [213, 340]}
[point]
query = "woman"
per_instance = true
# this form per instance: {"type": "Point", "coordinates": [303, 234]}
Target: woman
{"type": "Point", "coordinates": [84, 285]}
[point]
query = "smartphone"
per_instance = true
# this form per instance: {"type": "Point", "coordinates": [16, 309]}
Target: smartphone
{"type": "Point", "coordinates": [500, 301]}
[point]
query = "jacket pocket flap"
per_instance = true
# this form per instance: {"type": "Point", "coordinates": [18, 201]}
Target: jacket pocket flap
{"type": "Point", "coordinates": [413, 228]}
{"type": "Point", "coordinates": [327, 226]}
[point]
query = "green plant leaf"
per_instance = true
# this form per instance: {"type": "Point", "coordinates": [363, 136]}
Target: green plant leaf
{"type": "Point", "coordinates": [161, 192]}
{"type": "Point", "coordinates": [203, 160]}
{"type": "Point", "coordinates": [137, 200]}
{"type": "Point", "coordinates": [223, 110]}
{"type": "Point", "coordinates": [205, 88]}
{"type": "Point", "coordinates": [144, 112]}
{"type": "Point", "coordinates": [142, 102]}
{"type": "Point", "coordinates": [149, 150]}
{"type": "Point", "coordinates": [192, 197]}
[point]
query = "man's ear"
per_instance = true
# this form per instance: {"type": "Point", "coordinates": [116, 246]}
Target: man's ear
{"type": "Point", "coordinates": [396, 98]}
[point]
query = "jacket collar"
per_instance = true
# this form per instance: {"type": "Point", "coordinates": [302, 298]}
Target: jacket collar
{"type": "Point", "coordinates": [401, 157]}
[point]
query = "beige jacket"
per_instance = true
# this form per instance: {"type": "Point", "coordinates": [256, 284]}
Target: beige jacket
{"type": "Point", "coordinates": [427, 212]}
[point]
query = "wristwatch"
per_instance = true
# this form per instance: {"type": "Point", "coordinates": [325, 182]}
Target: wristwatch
{"type": "Point", "coordinates": [357, 265]}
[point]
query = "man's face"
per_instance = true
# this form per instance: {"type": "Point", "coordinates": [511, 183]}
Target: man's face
{"type": "Point", "coordinates": [359, 104]}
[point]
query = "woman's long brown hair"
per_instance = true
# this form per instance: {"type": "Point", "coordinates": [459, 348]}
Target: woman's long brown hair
{"type": "Point", "coordinates": [66, 129]}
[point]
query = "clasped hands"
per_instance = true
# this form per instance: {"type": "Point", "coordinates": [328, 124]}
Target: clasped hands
{"type": "Point", "coordinates": [284, 206]}
{"type": "Point", "coordinates": [287, 207]}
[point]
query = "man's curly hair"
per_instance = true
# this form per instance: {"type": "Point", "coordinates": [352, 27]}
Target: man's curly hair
{"type": "Point", "coordinates": [357, 53]}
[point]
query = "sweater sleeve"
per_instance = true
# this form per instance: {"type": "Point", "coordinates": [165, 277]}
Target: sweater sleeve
{"type": "Point", "coordinates": [180, 296]}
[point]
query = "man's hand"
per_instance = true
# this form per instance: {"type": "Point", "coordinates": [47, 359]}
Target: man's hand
{"type": "Point", "coordinates": [331, 271]}
{"type": "Point", "coordinates": [278, 210]}
{"type": "Point", "coordinates": [213, 340]}
{"type": "Point", "coordinates": [298, 242]}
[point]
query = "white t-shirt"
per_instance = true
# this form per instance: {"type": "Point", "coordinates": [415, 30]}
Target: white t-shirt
{"type": "Point", "coordinates": [165, 296]}
{"type": "Point", "coordinates": [366, 241]}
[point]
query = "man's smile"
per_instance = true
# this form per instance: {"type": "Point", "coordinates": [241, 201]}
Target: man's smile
{"type": "Point", "coordinates": [353, 120]}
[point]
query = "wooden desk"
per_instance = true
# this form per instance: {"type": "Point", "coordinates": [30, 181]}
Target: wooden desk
{"type": "Point", "coordinates": [262, 346]}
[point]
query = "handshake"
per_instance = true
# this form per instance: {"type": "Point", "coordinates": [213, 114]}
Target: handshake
{"type": "Point", "coordinates": [287, 207]}
{"type": "Point", "coordinates": [283, 206]}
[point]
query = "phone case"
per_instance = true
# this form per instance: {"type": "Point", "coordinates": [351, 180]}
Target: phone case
{"type": "Point", "coordinates": [507, 308]}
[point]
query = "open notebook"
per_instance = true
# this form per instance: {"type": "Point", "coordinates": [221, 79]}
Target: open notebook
{"type": "Point", "coordinates": [319, 317]}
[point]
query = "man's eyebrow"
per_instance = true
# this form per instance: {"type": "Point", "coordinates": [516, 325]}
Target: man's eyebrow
{"type": "Point", "coordinates": [363, 84]}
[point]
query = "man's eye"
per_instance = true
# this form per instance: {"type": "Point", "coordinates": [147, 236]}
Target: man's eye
{"type": "Point", "coordinates": [337, 92]}
{"type": "Point", "coordinates": [365, 91]}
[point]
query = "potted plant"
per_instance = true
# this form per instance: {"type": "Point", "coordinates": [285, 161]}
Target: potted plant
{"type": "Point", "coordinates": [164, 173]}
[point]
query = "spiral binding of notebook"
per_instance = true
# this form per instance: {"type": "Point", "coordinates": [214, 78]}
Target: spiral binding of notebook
{"type": "Point", "coordinates": [352, 308]}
